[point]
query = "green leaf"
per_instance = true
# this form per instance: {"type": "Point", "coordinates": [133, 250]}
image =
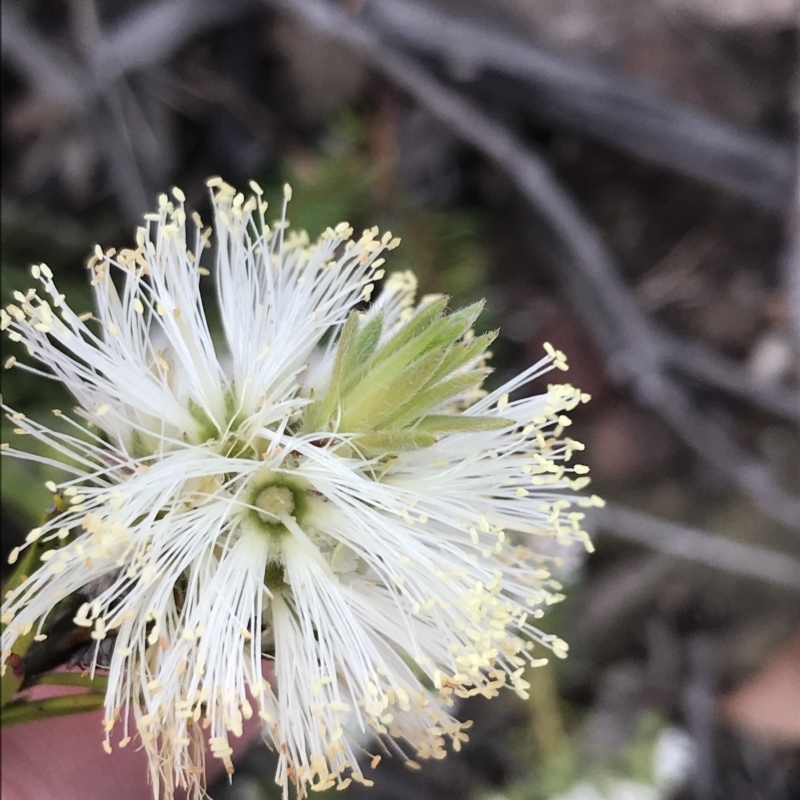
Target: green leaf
{"type": "Point", "coordinates": [394, 441]}
{"type": "Point", "coordinates": [435, 341]}
{"type": "Point", "coordinates": [97, 684]}
{"type": "Point", "coordinates": [417, 325]}
{"type": "Point", "coordinates": [385, 389]}
{"type": "Point", "coordinates": [460, 423]}
{"type": "Point", "coordinates": [324, 409]}
{"type": "Point", "coordinates": [462, 354]}
{"type": "Point", "coordinates": [465, 318]}
{"type": "Point", "coordinates": [31, 560]}
{"type": "Point", "coordinates": [365, 344]}
{"type": "Point", "coordinates": [18, 712]}
{"type": "Point", "coordinates": [432, 398]}
{"type": "Point", "coordinates": [406, 345]}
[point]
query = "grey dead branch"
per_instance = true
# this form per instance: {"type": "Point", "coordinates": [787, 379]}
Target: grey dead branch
{"type": "Point", "coordinates": [119, 89]}
{"type": "Point", "coordinates": [632, 346]}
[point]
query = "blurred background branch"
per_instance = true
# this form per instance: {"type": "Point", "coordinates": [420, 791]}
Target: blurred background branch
{"type": "Point", "coordinates": [684, 542]}
{"type": "Point", "coordinates": [617, 177]}
{"type": "Point", "coordinates": [608, 106]}
{"type": "Point", "coordinates": [630, 344]}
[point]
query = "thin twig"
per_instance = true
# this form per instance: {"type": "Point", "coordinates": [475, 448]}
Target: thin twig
{"type": "Point", "coordinates": [627, 337]}
{"type": "Point", "coordinates": [791, 256]}
{"type": "Point", "coordinates": [47, 68]}
{"type": "Point", "coordinates": [694, 545]}
{"type": "Point", "coordinates": [791, 263]}
{"type": "Point", "coordinates": [57, 76]}
{"type": "Point", "coordinates": [142, 38]}
{"type": "Point", "coordinates": [699, 706]}
{"type": "Point", "coordinates": [712, 369]}
{"type": "Point", "coordinates": [149, 35]}
{"type": "Point", "coordinates": [124, 170]}
{"type": "Point", "coordinates": [598, 102]}
{"type": "Point", "coordinates": [154, 32]}
{"type": "Point", "coordinates": [125, 174]}
{"type": "Point", "coordinates": [211, 87]}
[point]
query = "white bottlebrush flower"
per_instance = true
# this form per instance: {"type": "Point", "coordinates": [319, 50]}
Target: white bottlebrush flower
{"type": "Point", "coordinates": [331, 489]}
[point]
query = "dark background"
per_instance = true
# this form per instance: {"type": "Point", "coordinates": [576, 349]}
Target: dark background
{"type": "Point", "coordinates": [616, 177]}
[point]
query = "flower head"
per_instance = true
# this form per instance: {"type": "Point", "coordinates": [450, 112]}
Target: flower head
{"type": "Point", "coordinates": [329, 488]}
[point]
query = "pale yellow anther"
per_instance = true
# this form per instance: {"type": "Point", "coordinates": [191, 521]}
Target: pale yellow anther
{"type": "Point", "coordinates": [34, 535]}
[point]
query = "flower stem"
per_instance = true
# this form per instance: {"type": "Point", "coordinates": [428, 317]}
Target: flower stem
{"type": "Point", "coordinates": [13, 674]}
{"type": "Point", "coordinates": [22, 711]}
{"type": "Point", "coordinates": [96, 684]}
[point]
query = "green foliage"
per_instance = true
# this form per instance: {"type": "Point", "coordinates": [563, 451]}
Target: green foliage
{"type": "Point", "coordinates": [444, 248]}
{"type": "Point", "coordinates": [22, 484]}
{"type": "Point", "coordinates": [34, 235]}
{"type": "Point", "coordinates": [637, 758]}
{"type": "Point", "coordinates": [341, 182]}
{"type": "Point", "coordinates": [389, 391]}
{"type": "Point", "coordinates": [566, 766]}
